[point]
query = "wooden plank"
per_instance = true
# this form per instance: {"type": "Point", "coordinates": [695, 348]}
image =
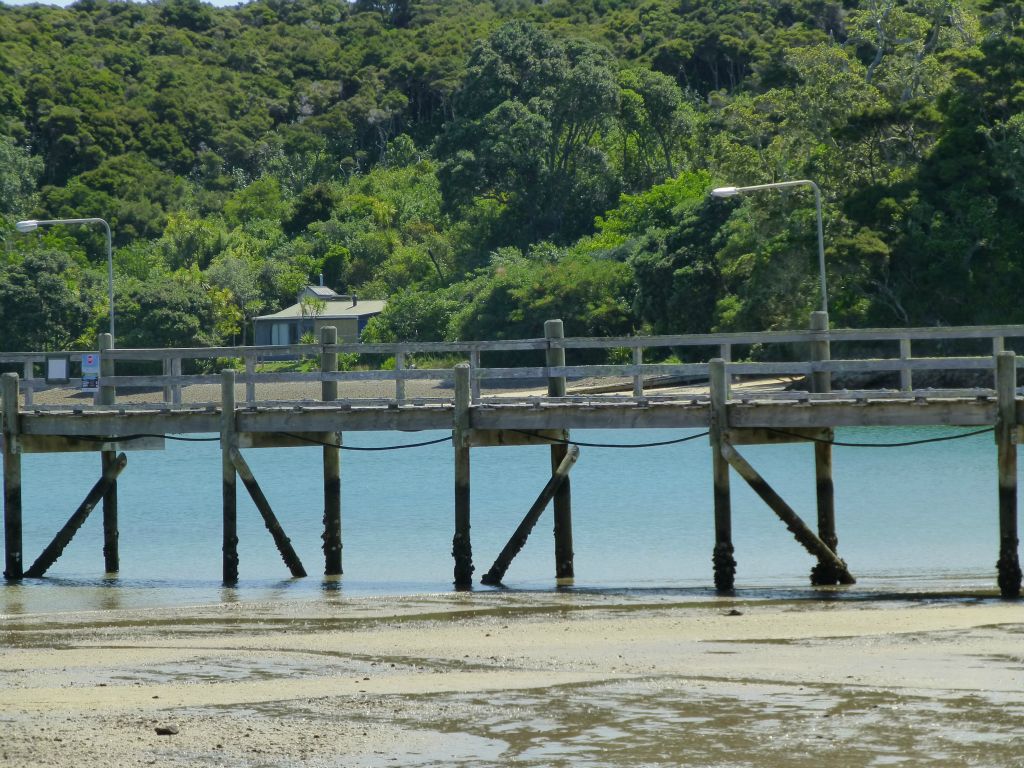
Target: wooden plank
{"type": "Point", "coordinates": [249, 440]}
{"type": "Point", "coordinates": [116, 425]}
{"type": "Point", "coordinates": [60, 444]}
{"type": "Point", "coordinates": [612, 416]}
{"type": "Point", "coordinates": [497, 438]}
{"type": "Point", "coordinates": [601, 371]}
{"type": "Point", "coordinates": [979, 363]}
{"type": "Point", "coordinates": [761, 436]}
{"type": "Point", "coordinates": [968, 413]}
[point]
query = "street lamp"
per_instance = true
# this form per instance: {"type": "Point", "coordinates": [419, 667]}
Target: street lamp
{"type": "Point", "coordinates": [31, 225]}
{"type": "Point", "coordinates": [722, 192]}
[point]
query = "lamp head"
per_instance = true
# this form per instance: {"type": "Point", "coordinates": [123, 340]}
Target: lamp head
{"type": "Point", "coordinates": [724, 192]}
{"type": "Point", "coordinates": [31, 225]}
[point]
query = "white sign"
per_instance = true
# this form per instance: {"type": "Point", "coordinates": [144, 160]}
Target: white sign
{"type": "Point", "coordinates": [57, 369]}
{"type": "Point", "coordinates": [90, 372]}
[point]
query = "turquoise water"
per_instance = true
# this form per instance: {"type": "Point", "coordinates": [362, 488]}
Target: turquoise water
{"type": "Point", "coordinates": [642, 519]}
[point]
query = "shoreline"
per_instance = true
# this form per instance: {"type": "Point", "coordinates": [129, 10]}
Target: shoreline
{"type": "Point", "coordinates": [531, 678]}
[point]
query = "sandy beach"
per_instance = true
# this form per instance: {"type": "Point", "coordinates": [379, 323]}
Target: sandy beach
{"type": "Point", "coordinates": [536, 679]}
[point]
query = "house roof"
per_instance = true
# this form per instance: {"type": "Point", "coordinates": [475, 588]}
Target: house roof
{"type": "Point", "coordinates": [321, 291]}
{"type": "Point", "coordinates": [332, 309]}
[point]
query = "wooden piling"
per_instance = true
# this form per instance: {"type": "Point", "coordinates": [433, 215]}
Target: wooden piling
{"type": "Point", "coordinates": [722, 557]}
{"type": "Point", "coordinates": [284, 544]}
{"type": "Point", "coordinates": [462, 549]}
{"type": "Point", "coordinates": [515, 544]}
{"type": "Point", "coordinates": [228, 440]}
{"type": "Point", "coordinates": [821, 381]}
{"type": "Point", "coordinates": [332, 464]}
{"type": "Point", "coordinates": [12, 478]}
{"type": "Point", "coordinates": [564, 569]}
{"type": "Point", "coordinates": [797, 527]}
{"type": "Point", "coordinates": [56, 547]}
{"type": "Point", "coordinates": [107, 396]}
{"type": "Point", "coordinates": [1006, 389]}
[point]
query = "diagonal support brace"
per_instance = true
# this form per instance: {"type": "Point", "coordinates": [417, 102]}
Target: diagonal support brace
{"type": "Point", "coordinates": [797, 527]}
{"type": "Point", "coordinates": [515, 544]}
{"type": "Point", "coordinates": [284, 544]}
{"type": "Point", "coordinates": [56, 547]}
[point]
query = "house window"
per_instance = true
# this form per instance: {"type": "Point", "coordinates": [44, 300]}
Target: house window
{"type": "Point", "coordinates": [279, 334]}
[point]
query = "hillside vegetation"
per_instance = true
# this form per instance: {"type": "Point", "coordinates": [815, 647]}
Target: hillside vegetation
{"type": "Point", "coordinates": [487, 165]}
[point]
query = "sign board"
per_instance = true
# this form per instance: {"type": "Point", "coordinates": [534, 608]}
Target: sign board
{"type": "Point", "coordinates": [58, 369]}
{"type": "Point", "coordinates": [90, 372]}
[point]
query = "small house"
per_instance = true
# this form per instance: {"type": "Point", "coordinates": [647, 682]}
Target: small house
{"type": "Point", "coordinates": [317, 306]}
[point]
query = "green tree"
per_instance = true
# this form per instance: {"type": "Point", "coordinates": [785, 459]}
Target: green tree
{"type": "Point", "coordinates": [43, 301]}
{"type": "Point", "coordinates": [528, 115]}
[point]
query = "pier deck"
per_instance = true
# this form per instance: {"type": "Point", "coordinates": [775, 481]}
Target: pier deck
{"type": "Point", "coordinates": [738, 396]}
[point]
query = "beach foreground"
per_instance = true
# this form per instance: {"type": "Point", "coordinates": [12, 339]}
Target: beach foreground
{"type": "Point", "coordinates": [529, 679]}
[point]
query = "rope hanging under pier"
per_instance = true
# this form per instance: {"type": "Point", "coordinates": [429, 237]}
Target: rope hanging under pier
{"type": "Point", "coordinates": [561, 441]}
{"type": "Point", "coordinates": [313, 441]}
{"type": "Point", "coordinates": [922, 441]}
{"type": "Point", "coordinates": [139, 436]}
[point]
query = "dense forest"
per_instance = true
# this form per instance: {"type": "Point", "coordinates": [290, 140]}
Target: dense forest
{"type": "Point", "coordinates": [485, 165]}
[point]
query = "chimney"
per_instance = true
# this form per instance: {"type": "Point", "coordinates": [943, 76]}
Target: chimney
{"type": "Point", "coordinates": [355, 299]}
{"type": "Point", "coordinates": [321, 279]}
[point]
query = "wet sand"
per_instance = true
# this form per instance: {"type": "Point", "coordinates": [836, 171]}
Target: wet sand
{"type": "Point", "coordinates": [538, 679]}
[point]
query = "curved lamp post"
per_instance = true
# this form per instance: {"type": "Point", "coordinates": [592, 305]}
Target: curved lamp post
{"type": "Point", "coordinates": [732, 191]}
{"type": "Point", "coordinates": [31, 225]}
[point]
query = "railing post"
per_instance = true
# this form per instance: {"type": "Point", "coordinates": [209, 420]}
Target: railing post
{"type": "Point", "coordinates": [638, 379]}
{"type": "Point", "coordinates": [474, 378]}
{"type": "Point", "coordinates": [1006, 442]}
{"type": "Point", "coordinates": [13, 568]}
{"type": "Point", "coordinates": [906, 374]}
{"type": "Point", "coordinates": [29, 373]}
{"type": "Point", "coordinates": [165, 368]}
{"type": "Point", "coordinates": [725, 352]}
{"type": "Point", "coordinates": [564, 568]}
{"type": "Point", "coordinates": [462, 549]}
{"type": "Point", "coordinates": [399, 381]}
{"type": "Point", "coordinates": [107, 395]}
{"type": "Point", "coordinates": [821, 351]}
{"type": "Point", "coordinates": [722, 557]}
{"type": "Point", "coordinates": [332, 462]}
{"type": "Point", "coordinates": [228, 440]}
{"type": "Point", "coordinates": [823, 573]}
{"type": "Point", "coordinates": [250, 383]}
{"type": "Point", "coordinates": [176, 373]}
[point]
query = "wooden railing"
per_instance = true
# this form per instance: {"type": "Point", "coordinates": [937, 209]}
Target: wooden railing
{"type": "Point", "coordinates": [734, 348]}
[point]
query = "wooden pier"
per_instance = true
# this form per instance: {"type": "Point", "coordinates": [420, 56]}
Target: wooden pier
{"type": "Point", "coordinates": [540, 401]}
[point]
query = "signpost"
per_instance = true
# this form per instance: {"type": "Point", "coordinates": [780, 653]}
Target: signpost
{"type": "Point", "coordinates": [90, 372]}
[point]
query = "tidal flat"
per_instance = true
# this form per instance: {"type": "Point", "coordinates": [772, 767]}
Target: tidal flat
{"type": "Point", "coordinates": [533, 679]}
